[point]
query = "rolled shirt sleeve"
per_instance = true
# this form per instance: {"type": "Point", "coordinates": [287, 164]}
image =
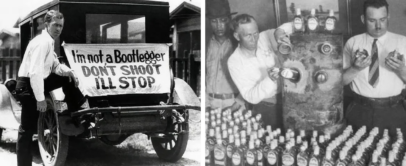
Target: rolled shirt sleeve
{"type": "Point", "coordinates": [58, 68]}
{"type": "Point", "coordinates": [253, 86]}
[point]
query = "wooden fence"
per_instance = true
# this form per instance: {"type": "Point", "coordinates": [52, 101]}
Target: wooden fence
{"type": "Point", "coordinates": [10, 60]}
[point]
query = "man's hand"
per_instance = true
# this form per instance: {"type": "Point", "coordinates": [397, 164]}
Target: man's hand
{"type": "Point", "coordinates": [361, 63]}
{"type": "Point", "coordinates": [398, 66]}
{"type": "Point", "coordinates": [281, 37]}
{"type": "Point", "coordinates": [73, 77]}
{"type": "Point", "coordinates": [41, 106]}
{"type": "Point", "coordinates": [273, 74]}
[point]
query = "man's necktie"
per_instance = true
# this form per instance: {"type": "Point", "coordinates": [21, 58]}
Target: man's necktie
{"type": "Point", "coordinates": [373, 77]}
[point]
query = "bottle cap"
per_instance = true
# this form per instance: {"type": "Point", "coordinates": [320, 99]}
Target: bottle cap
{"type": "Point", "coordinates": [303, 148]}
{"type": "Point", "coordinates": [298, 139]}
{"type": "Point", "coordinates": [256, 126]}
{"type": "Point", "coordinates": [225, 135]}
{"type": "Point", "coordinates": [230, 131]}
{"type": "Point", "coordinates": [321, 139]}
{"type": "Point", "coordinates": [354, 158]}
{"type": "Point", "coordinates": [269, 129]}
{"type": "Point", "coordinates": [219, 141]}
{"type": "Point", "coordinates": [274, 144]}
{"type": "Point", "coordinates": [314, 133]}
{"type": "Point", "coordinates": [211, 132]}
{"type": "Point", "coordinates": [251, 145]}
{"type": "Point", "coordinates": [257, 143]}
{"type": "Point", "coordinates": [342, 154]}
{"type": "Point", "coordinates": [302, 133]}
{"type": "Point", "coordinates": [281, 139]}
{"type": "Point", "coordinates": [258, 117]}
{"type": "Point", "coordinates": [231, 123]}
{"type": "Point", "coordinates": [231, 139]}
{"type": "Point", "coordinates": [313, 12]}
{"type": "Point", "coordinates": [298, 11]}
{"type": "Point", "coordinates": [237, 142]}
{"type": "Point", "coordinates": [316, 150]}
{"type": "Point", "coordinates": [331, 14]}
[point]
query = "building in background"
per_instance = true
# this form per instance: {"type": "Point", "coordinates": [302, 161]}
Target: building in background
{"type": "Point", "coordinates": [186, 30]}
{"type": "Point", "coordinates": [9, 52]}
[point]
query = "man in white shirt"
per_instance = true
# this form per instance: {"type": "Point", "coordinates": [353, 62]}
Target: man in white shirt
{"type": "Point", "coordinates": [375, 77]}
{"type": "Point", "coordinates": [250, 66]}
{"type": "Point", "coordinates": [39, 73]}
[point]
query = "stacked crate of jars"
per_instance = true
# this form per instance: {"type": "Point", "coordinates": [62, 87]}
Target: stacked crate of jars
{"type": "Point", "coordinates": [240, 139]}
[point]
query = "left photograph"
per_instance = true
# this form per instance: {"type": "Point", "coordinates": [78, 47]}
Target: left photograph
{"type": "Point", "coordinates": [100, 82]}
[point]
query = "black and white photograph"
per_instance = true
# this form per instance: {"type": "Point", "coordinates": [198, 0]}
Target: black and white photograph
{"type": "Point", "coordinates": [305, 83]}
{"type": "Point", "coordinates": [100, 82]}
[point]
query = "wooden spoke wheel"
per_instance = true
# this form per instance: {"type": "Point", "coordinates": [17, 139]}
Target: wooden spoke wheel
{"type": "Point", "coordinates": [53, 145]}
{"type": "Point", "coordinates": [171, 146]}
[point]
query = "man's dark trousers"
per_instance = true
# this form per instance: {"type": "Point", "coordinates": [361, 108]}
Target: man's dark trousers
{"type": "Point", "coordinates": [29, 113]}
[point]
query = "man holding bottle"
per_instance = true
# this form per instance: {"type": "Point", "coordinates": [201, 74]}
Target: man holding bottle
{"type": "Point", "coordinates": [374, 67]}
{"type": "Point", "coordinates": [250, 68]}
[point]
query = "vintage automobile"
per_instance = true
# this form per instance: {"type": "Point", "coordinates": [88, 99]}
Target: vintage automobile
{"type": "Point", "coordinates": [109, 117]}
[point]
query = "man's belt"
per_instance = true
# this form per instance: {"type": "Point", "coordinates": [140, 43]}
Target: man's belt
{"type": "Point", "coordinates": [223, 96]}
{"type": "Point", "coordinates": [387, 101]}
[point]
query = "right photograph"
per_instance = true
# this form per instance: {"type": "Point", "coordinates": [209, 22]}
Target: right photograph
{"type": "Point", "coordinates": [306, 83]}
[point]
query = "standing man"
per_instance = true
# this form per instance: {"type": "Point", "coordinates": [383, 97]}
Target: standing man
{"type": "Point", "coordinates": [40, 72]}
{"type": "Point", "coordinates": [250, 67]}
{"type": "Point", "coordinates": [378, 79]}
{"type": "Point", "coordinates": [221, 91]}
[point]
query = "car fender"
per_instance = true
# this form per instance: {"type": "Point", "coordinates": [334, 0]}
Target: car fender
{"type": "Point", "coordinates": [10, 110]}
{"type": "Point", "coordinates": [184, 94]}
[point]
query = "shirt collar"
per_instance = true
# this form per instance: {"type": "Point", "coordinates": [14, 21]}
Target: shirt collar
{"type": "Point", "coordinates": [381, 39]}
{"type": "Point", "coordinates": [46, 34]}
{"type": "Point", "coordinates": [215, 40]}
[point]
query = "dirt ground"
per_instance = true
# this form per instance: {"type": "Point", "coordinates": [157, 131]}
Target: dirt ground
{"type": "Point", "coordinates": [135, 150]}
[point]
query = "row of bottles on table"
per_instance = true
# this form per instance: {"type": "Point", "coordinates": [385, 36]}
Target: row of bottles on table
{"type": "Point", "coordinates": [264, 147]}
{"type": "Point", "coordinates": [312, 23]}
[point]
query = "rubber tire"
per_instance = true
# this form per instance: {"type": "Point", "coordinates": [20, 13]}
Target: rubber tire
{"type": "Point", "coordinates": [62, 140]}
{"type": "Point", "coordinates": [177, 152]}
{"type": "Point", "coordinates": [1, 133]}
{"type": "Point", "coordinates": [108, 141]}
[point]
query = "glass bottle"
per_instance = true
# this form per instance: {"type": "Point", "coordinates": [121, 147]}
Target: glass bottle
{"type": "Point", "coordinates": [312, 22]}
{"type": "Point", "coordinates": [343, 160]}
{"type": "Point", "coordinates": [230, 147]}
{"type": "Point", "coordinates": [219, 153]}
{"type": "Point", "coordinates": [298, 22]}
{"type": "Point", "coordinates": [238, 154]}
{"type": "Point", "coordinates": [288, 157]}
{"type": "Point", "coordinates": [331, 22]}
{"type": "Point", "coordinates": [210, 143]}
{"type": "Point", "coordinates": [273, 155]}
{"type": "Point", "coordinates": [260, 152]}
{"type": "Point", "coordinates": [315, 158]}
{"type": "Point", "coordinates": [328, 160]}
{"type": "Point", "coordinates": [251, 155]}
{"type": "Point", "coordinates": [303, 157]}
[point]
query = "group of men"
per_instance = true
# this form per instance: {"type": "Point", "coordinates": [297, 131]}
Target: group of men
{"type": "Point", "coordinates": [244, 70]}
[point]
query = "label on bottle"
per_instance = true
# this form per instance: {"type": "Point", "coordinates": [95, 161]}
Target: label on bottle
{"type": "Point", "coordinates": [301, 161]}
{"type": "Point", "coordinates": [229, 151]}
{"type": "Point", "coordinates": [326, 163]}
{"type": "Point", "coordinates": [207, 151]}
{"type": "Point", "coordinates": [250, 157]}
{"type": "Point", "coordinates": [330, 24]}
{"type": "Point", "coordinates": [236, 158]}
{"type": "Point", "coordinates": [313, 162]}
{"type": "Point", "coordinates": [271, 157]}
{"type": "Point", "coordinates": [298, 24]}
{"type": "Point", "coordinates": [312, 23]}
{"type": "Point", "coordinates": [288, 159]}
{"type": "Point", "coordinates": [218, 156]}
{"type": "Point", "coordinates": [259, 157]}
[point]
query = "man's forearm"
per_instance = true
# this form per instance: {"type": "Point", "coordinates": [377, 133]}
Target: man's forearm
{"type": "Point", "coordinates": [349, 75]}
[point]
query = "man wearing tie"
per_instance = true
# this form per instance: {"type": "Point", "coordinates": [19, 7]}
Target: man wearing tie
{"type": "Point", "coordinates": [374, 75]}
